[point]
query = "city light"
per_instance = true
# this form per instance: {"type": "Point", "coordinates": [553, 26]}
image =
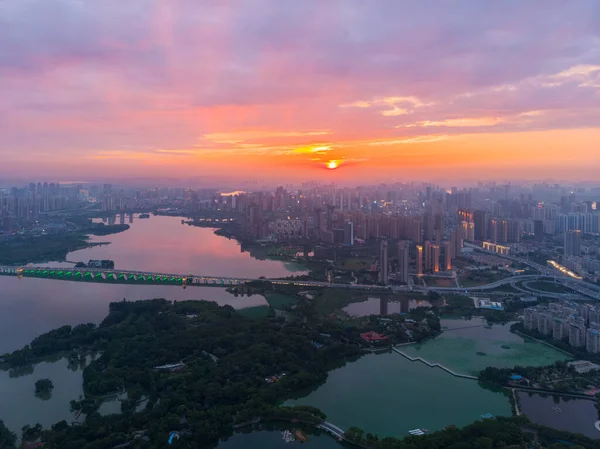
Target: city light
{"type": "Point", "coordinates": [564, 270]}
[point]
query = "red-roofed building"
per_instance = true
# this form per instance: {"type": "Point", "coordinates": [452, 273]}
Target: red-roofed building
{"type": "Point", "coordinates": [372, 337]}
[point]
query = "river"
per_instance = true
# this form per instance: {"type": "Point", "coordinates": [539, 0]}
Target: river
{"type": "Point", "coordinates": [30, 307]}
{"type": "Point", "coordinates": [158, 244]}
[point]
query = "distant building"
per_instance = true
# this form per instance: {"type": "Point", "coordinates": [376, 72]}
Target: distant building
{"type": "Point", "coordinates": [383, 306]}
{"type": "Point", "coordinates": [572, 243]}
{"type": "Point", "coordinates": [428, 261]}
{"type": "Point", "coordinates": [435, 255]}
{"type": "Point", "coordinates": [530, 319]}
{"type": "Point", "coordinates": [383, 262]}
{"type": "Point", "coordinates": [558, 328]}
{"type": "Point", "coordinates": [348, 233]}
{"type": "Point", "coordinates": [577, 334]}
{"type": "Point", "coordinates": [538, 230]}
{"type": "Point", "coordinates": [592, 343]}
{"type": "Point", "coordinates": [543, 324]}
{"type": "Point", "coordinates": [419, 260]}
{"type": "Point", "coordinates": [583, 366]}
{"type": "Point", "coordinates": [480, 223]}
{"type": "Point", "coordinates": [403, 261]}
{"type": "Point", "coordinates": [448, 255]}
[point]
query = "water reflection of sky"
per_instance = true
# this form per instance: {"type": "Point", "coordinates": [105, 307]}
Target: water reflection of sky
{"type": "Point", "coordinates": [164, 244]}
{"type": "Point", "coordinates": [380, 306]}
{"type": "Point", "coordinates": [34, 306]}
{"type": "Point", "coordinates": [572, 415]}
{"type": "Point", "coordinates": [19, 405]}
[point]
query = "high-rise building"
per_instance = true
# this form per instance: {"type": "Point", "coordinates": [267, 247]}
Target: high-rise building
{"type": "Point", "coordinates": [403, 261]}
{"type": "Point", "coordinates": [543, 324]}
{"type": "Point", "coordinates": [538, 230]}
{"type": "Point", "coordinates": [419, 260]}
{"type": "Point", "coordinates": [435, 255]}
{"type": "Point", "coordinates": [428, 260]}
{"type": "Point", "coordinates": [349, 233]}
{"type": "Point", "coordinates": [448, 255]}
{"type": "Point", "coordinates": [530, 318]}
{"type": "Point", "coordinates": [383, 306]}
{"type": "Point", "coordinates": [572, 243]}
{"type": "Point", "coordinates": [383, 262]}
{"type": "Point", "coordinates": [592, 341]}
{"type": "Point", "coordinates": [494, 230]}
{"type": "Point", "coordinates": [558, 328]}
{"type": "Point", "coordinates": [577, 333]}
{"type": "Point", "coordinates": [480, 221]}
{"type": "Point", "coordinates": [470, 232]}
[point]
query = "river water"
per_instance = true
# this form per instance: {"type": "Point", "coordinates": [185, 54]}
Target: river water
{"type": "Point", "coordinates": [29, 307]}
{"type": "Point", "coordinates": [159, 244]}
{"type": "Point", "coordinates": [385, 394]}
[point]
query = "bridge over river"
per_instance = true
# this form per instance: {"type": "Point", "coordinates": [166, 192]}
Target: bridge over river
{"type": "Point", "coordinates": [144, 277]}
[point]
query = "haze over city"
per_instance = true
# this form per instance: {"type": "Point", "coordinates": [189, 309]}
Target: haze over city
{"type": "Point", "coordinates": [335, 90]}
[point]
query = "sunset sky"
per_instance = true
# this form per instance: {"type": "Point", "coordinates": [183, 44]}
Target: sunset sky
{"type": "Point", "coordinates": [381, 89]}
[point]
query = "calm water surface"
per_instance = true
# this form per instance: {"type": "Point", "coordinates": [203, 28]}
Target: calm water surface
{"type": "Point", "coordinates": [29, 307]}
{"type": "Point", "coordinates": [576, 415]}
{"type": "Point", "coordinates": [379, 306]}
{"type": "Point", "coordinates": [390, 395]}
{"type": "Point", "coordinates": [19, 405]}
{"type": "Point", "coordinates": [467, 346]}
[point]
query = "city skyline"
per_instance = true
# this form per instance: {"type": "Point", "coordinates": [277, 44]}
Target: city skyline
{"type": "Point", "coordinates": [338, 92]}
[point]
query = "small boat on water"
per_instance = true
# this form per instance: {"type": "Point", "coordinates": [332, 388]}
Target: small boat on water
{"type": "Point", "coordinates": [287, 436]}
{"type": "Point", "coordinates": [300, 436]}
{"type": "Point", "coordinates": [557, 409]}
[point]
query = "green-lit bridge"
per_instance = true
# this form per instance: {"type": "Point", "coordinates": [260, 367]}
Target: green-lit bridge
{"type": "Point", "coordinates": [144, 277]}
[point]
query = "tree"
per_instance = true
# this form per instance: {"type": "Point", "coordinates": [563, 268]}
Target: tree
{"type": "Point", "coordinates": [43, 386]}
{"type": "Point", "coordinates": [7, 438]}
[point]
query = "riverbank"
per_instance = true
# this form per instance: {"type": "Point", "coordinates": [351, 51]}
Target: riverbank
{"type": "Point", "coordinates": [22, 250]}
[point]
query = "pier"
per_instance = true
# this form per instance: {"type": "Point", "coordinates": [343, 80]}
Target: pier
{"type": "Point", "coordinates": [434, 365]}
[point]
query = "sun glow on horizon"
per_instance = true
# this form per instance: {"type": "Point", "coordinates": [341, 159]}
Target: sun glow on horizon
{"type": "Point", "coordinates": [332, 165]}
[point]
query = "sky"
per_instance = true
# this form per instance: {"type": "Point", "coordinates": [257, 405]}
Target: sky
{"type": "Point", "coordinates": [300, 89]}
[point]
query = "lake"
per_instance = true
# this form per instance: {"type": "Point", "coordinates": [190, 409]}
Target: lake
{"type": "Point", "coordinates": [390, 395]}
{"type": "Point", "coordinates": [575, 415]}
{"type": "Point", "coordinates": [20, 406]}
{"type": "Point", "coordinates": [31, 306]}
{"type": "Point", "coordinates": [468, 346]}
{"type": "Point", "coordinates": [382, 306]}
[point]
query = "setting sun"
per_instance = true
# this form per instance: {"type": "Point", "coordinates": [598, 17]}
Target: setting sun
{"type": "Point", "coordinates": [332, 165]}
